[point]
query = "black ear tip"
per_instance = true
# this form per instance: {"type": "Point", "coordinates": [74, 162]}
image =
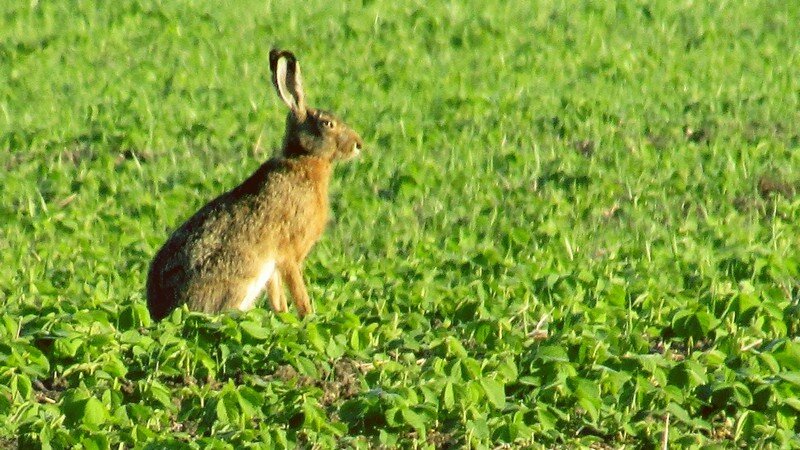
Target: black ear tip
{"type": "Point", "coordinates": [275, 54]}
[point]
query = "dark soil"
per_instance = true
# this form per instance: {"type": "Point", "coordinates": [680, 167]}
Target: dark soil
{"type": "Point", "coordinates": [49, 390]}
{"type": "Point", "coordinates": [340, 384]}
{"type": "Point", "coordinates": [769, 186]}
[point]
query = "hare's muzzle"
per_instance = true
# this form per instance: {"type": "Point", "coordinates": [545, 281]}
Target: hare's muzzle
{"type": "Point", "coordinates": [352, 145]}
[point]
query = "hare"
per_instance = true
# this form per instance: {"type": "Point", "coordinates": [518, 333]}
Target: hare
{"type": "Point", "coordinates": [258, 234]}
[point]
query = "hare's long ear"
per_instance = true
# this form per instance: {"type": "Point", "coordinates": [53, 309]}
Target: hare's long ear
{"type": "Point", "coordinates": [287, 80]}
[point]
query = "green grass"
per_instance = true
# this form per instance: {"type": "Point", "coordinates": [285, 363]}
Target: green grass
{"type": "Point", "coordinates": [571, 220]}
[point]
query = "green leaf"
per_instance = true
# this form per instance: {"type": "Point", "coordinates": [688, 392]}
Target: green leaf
{"type": "Point", "coordinates": [473, 367]}
{"type": "Point", "coordinates": [791, 377]}
{"type": "Point", "coordinates": [412, 418]}
{"type": "Point", "coordinates": [315, 338]}
{"type": "Point", "coordinates": [696, 325]}
{"type": "Point", "coordinates": [222, 412]}
{"type": "Point", "coordinates": [94, 412]}
{"type": "Point", "coordinates": [355, 340]}
{"type": "Point", "coordinates": [552, 353]}
{"type": "Point", "coordinates": [250, 401]}
{"type": "Point", "coordinates": [314, 415]}
{"type": "Point", "coordinates": [66, 348]}
{"type": "Point", "coordinates": [473, 393]}
{"type": "Point", "coordinates": [769, 361]}
{"type": "Point", "coordinates": [73, 404]}
{"type": "Point", "coordinates": [255, 330]}
{"type": "Point", "coordinates": [114, 367]}
{"type": "Point", "coordinates": [688, 373]}
{"type": "Point", "coordinates": [745, 304]}
{"type": "Point", "coordinates": [743, 427]}
{"type": "Point", "coordinates": [160, 393]}
{"type": "Point", "coordinates": [588, 394]}
{"type": "Point", "coordinates": [334, 350]}
{"type": "Point", "coordinates": [508, 369]}
{"type": "Point", "coordinates": [448, 398]}
{"type": "Point", "coordinates": [793, 402]}
{"type": "Point", "coordinates": [306, 367]}
{"type": "Point", "coordinates": [495, 392]}
{"type": "Point", "coordinates": [95, 442]}
{"type": "Point", "coordinates": [479, 428]}
{"type": "Point", "coordinates": [10, 325]}
{"type": "Point", "coordinates": [789, 356]}
{"type": "Point", "coordinates": [455, 371]}
{"type": "Point", "coordinates": [132, 316]}
{"type": "Point", "coordinates": [23, 386]}
{"type": "Point", "coordinates": [616, 296]}
{"type": "Point", "coordinates": [455, 348]}
{"type": "Point", "coordinates": [742, 395]}
{"type": "Point", "coordinates": [679, 413]}
{"type": "Point", "coordinates": [546, 418]}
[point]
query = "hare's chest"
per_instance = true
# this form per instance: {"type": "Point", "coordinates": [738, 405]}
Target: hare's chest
{"type": "Point", "coordinates": [257, 284]}
{"type": "Point", "coordinates": [314, 217]}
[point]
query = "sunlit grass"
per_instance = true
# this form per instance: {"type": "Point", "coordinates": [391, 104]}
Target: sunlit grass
{"type": "Point", "coordinates": [570, 220]}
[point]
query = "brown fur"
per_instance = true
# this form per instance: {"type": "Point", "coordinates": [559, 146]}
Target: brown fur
{"type": "Point", "coordinates": [278, 214]}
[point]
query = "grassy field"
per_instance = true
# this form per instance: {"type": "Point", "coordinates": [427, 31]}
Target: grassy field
{"type": "Point", "coordinates": [574, 224]}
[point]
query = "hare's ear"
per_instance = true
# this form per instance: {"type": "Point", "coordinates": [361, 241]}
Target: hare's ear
{"type": "Point", "coordinates": [287, 80]}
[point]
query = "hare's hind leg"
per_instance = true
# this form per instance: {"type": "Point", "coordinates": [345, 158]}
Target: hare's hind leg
{"type": "Point", "coordinates": [275, 293]}
{"type": "Point", "coordinates": [294, 279]}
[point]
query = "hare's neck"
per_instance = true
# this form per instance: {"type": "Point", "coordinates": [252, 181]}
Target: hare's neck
{"type": "Point", "coordinates": [318, 170]}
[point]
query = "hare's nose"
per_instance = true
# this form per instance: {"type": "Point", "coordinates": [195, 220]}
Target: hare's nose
{"type": "Point", "coordinates": [358, 144]}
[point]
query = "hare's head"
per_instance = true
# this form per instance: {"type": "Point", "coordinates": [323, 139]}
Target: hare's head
{"type": "Point", "coordinates": [309, 131]}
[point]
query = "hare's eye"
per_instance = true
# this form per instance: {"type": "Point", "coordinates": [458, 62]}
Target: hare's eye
{"type": "Point", "coordinates": [327, 123]}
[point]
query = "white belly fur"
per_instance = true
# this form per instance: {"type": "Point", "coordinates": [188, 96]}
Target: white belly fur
{"type": "Point", "coordinates": [257, 285]}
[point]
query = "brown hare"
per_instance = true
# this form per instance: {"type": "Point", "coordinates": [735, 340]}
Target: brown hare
{"type": "Point", "coordinates": [258, 233]}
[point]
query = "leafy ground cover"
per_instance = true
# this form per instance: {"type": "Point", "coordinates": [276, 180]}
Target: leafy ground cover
{"type": "Point", "coordinates": [572, 221]}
